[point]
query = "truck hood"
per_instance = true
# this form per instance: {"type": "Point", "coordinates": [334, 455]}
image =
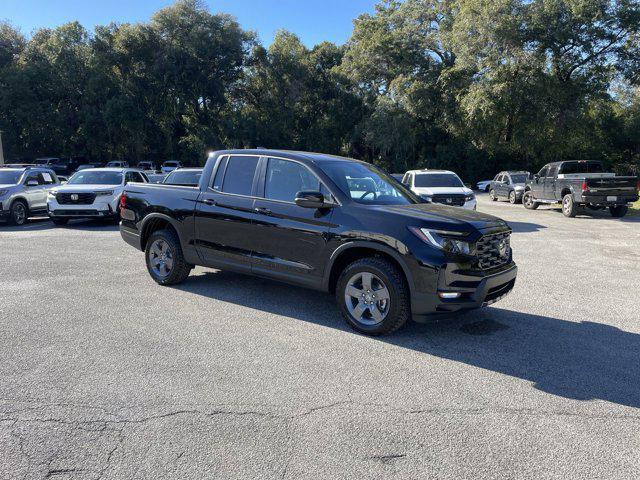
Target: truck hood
{"type": "Point", "coordinates": [445, 216]}
{"type": "Point", "coordinates": [442, 190]}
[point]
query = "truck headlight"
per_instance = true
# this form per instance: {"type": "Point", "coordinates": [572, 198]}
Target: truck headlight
{"type": "Point", "coordinates": [444, 240]}
{"type": "Point", "coordinates": [469, 196]}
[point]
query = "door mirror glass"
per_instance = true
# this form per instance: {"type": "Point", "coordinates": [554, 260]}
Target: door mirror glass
{"type": "Point", "coordinates": [310, 199]}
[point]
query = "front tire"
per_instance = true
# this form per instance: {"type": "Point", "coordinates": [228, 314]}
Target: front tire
{"type": "Point", "coordinates": [512, 197]}
{"type": "Point", "coordinates": [618, 211]}
{"type": "Point", "coordinates": [529, 201]}
{"type": "Point", "coordinates": [373, 296]}
{"type": "Point", "coordinates": [492, 195]}
{"type": "Point", "coordinates": [19, 213]}
{"type": "Point", "coordinates": [165, 260]}
{"type": "Point", "coordinates": [569, 207]}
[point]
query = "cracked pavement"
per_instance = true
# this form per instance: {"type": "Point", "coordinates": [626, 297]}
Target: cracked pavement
{"type": "Point", "coordinates": [105, 375]}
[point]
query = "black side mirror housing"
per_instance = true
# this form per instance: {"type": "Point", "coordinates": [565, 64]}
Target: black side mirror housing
{"type": "Point", "coordinates": [310, 199]}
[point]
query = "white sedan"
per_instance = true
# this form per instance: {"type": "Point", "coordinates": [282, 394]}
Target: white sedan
{"type": "Point", "coordinates": [91, 193]}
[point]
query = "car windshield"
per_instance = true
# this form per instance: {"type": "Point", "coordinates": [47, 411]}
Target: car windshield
{"type": "Point", "coordinates": [581, 167]}
{"type": "Point", "coordinates": [437, 180]}
{"type": "Point", "coordinates": [184, 177]}
{"type": "Point", "coordinates": [86, 177]}
{"type": "Point", "coordinates": [9, 178]}
{"type": "Point", "coordinates": [366, 184]}
{"type": "Point", "coordinates": [519, 177]}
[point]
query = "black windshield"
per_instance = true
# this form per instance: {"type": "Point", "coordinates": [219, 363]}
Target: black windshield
{"type": "Point", "coordinates": [9, 178]}
{"type": "Point", "coordinates": [519, 177]}
{"type": "Point", "coordinates": [366, 184]}
{"type": "Point", "coordinates": [581, 167]}
{"type": "Point", "coordinates": [88, 177]}
{"type": "Point", "coordinates": [437, 180]}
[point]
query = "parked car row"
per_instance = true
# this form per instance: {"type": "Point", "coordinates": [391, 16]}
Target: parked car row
{"type": "Point", "coordinates": [90, 193]}
{"type": "Point", "coordinates": [574, 183]}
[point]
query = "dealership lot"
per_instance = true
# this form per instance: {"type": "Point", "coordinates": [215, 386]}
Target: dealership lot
{"type": "Point", "coordinates": [104, 374]}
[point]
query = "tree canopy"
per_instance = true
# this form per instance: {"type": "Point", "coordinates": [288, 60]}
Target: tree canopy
{"type": "Point", "coordinates": [471, 85]}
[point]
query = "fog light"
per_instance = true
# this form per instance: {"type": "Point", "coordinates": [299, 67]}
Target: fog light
{"type": "Point", "coordinates": [449, 295]}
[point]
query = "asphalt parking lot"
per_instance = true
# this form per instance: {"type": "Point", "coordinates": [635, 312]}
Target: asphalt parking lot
{"type": "Point", "coordinates": [104, 374]}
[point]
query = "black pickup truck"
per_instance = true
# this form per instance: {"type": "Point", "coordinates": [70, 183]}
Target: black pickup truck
{"type": "Point", "coordinates": [580, 183]}
{"type": "Point", "coordinates": [327, 223]}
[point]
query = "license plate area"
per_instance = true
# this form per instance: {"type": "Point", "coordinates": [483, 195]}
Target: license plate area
{"type": "Point", "coordinates": [612, 199]}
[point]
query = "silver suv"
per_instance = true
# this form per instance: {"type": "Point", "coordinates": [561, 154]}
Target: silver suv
{"type": "Point", "coordinates": [23, 192]}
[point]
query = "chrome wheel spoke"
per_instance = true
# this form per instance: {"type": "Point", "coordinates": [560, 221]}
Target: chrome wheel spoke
{"type": "Point", "coordinates": [359, 310]}
{"type": "Point", "coordinates": [366, 281]}
{"type": "Point", "coordinates": [353, 291]}
{"type": "Point", "coordinates": [382, 294]}
{"type": "Point", "coordinates": [375, 313]}
{"type": "Point", "coordinates": [169, 263]}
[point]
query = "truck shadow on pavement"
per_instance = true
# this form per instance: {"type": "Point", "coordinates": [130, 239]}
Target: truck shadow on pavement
{"type": "Point", "coordinates": [579, 360]}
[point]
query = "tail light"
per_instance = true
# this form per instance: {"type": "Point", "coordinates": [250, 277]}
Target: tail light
{"type": "Point", "coordinates": [123, 202]}
{"type": "Point", "coordinates": [584, 185]}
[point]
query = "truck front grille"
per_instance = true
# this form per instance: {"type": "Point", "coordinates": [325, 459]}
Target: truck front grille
{"type": "Point", "coordinates": [449, 199]}
{"type": "Point", "coordinates": [494, 250]}
{"type": "Point", "coordinates": [80, 198]}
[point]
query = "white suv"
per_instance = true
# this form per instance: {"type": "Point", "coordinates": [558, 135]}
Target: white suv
{"type": "Point", "coordinates": [91, 193]}
{"type": "Point", "coordinates": [440, 186]}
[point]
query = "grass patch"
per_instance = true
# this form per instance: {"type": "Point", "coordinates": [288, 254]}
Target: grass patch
{"type": "Point", "coordinates": [634, 209]}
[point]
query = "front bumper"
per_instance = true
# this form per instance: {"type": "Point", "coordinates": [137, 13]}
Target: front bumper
{"type": "Point", "coordinates": [98, 209]}
{"type": "Point", "coordinates": [474, 290]}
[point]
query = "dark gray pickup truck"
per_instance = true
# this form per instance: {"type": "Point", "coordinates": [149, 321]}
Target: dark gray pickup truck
{"type": "Point", "coordinates": [580, 183]}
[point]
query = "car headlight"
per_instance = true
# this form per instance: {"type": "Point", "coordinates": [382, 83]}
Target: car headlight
{"type": "Point", "coordinates": [444, 240]}
{"type": "Point", "coordinates": [469, 196]}
{"type": "Point", "coordinates": [101, 194]}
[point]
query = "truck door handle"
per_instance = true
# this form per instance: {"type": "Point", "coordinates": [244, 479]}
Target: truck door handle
{"type": "Point", "coordinates": [262, 210]}
{"type": "Point", "coordinates": [209, 201]}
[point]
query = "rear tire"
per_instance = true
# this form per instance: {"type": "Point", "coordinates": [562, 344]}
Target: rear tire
{"type": "Point", "coordinates": [19, 213]}
{"type": "Point", "coordinates": [492, 195]}
{"type": "Point", "coordinates": [165, 260]}
{"type": "Point", "coordinates": [60, 221]}
{"type": "Point", "coordinates": [618, 211]}
{"type": "Point", "coordinates": [386, 312]}
{"type": "Point", "coordinates": [569, 208]}
{"type": "Point", "coordinates": [529, 201]}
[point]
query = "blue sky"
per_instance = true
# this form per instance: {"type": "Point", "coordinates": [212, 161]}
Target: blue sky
{"type": "Point", "coordinates": [312, 20]}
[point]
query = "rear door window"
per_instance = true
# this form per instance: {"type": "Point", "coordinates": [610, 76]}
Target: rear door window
{"type": "Point", "coordinates": [239, 175]}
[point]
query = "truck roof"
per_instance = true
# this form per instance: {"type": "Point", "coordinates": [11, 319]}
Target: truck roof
{"type": "Point", "coordinates": [291, 154]}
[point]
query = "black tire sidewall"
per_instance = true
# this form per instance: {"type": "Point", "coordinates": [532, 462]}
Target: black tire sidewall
{"type": "Point", "coordinates": [398, 294]}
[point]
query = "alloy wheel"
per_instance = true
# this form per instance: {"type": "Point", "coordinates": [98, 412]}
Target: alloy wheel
{"type": "Point", "coordinates": [161, 258]}
{"type": "Point", "coordinates": [367, 298]}
{"type": "Point", "coordinates": [19, 213]}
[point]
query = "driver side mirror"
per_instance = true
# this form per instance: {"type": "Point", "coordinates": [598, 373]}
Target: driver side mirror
{"type": "Point", "coordinates": [32, 183]}
{"type": "Point", "coordinates": [536, 177]}
{"type": "Point", "coordinates": [310, 199]}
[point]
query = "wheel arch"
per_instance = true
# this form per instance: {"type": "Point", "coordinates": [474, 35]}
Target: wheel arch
{"type": "Point", "coordinates": [154, 222]}
{"type": "Point", "coordinates": [349, 252]}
